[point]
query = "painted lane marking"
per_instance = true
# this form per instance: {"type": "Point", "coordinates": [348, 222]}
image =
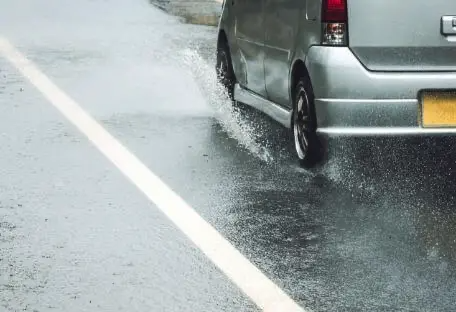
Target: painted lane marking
{"type": "Point", "coordinates": [259, 288]}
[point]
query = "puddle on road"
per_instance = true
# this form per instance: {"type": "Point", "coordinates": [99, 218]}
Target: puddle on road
{"type": "Point", "coordinates": [232, 119]}
{"type": "Point", "coordinates": [202, 12]}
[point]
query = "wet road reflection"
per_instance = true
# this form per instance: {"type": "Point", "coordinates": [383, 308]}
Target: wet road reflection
{"type": "Point", "coordinates": [372, 229]}
{"type": "Point", "coordinates": [369, 230]}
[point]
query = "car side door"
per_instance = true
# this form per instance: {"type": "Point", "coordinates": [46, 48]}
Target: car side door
{"type": "Point", "coordinates": [249, 30]}
{"type": "Point", "coordinates": [281, 29]}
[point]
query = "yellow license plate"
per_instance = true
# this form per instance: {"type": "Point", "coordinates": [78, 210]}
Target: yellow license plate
{"type": "Point", "coordinates": [438, 109]}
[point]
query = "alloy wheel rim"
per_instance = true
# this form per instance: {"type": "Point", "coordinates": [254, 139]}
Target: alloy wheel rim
{"type": "Point", "coordinates": [301, 125]}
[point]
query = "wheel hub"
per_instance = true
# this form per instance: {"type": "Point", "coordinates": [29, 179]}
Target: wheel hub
{"type": "Point", "coordinates": [301, 125]}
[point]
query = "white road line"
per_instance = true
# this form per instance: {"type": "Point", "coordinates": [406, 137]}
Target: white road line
{"type": "Point", "coordinates": [266, 295]}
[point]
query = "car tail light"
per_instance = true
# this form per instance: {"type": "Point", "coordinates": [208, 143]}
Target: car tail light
{"type": "Point", "coordinates": [334, 20]}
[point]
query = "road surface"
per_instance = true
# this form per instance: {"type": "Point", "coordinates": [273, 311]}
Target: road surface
{"type": "Point", "coordinates": [83, 229]}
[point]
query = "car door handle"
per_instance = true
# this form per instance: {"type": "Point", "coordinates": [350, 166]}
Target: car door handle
{"type": "Point", "coordinates": [448, 25]}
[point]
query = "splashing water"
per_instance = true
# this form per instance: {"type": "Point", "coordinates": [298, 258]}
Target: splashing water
{"type": "Point", "coordinates": [230, 118]}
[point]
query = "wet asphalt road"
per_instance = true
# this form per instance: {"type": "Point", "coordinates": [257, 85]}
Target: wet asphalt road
{"type": "Point", "coordinates": [373, 229]}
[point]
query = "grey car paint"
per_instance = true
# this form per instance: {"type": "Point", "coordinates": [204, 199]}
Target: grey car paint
{"type": "Point", "coordinates": [281, 20]}
{"type": "Point", "coordinates": [371, 87]}
{"type": "Point", "coordinates": [391, 35]}
{"type": "Point", "coordinates": [249, 32]}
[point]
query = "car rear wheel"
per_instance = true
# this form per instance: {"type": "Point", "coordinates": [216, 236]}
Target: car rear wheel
{"type": "Point", "coordinates": [304, 125]}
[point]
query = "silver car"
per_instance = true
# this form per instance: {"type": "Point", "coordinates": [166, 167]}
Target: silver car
{"type": "Point", "coordinates": [342, 67]}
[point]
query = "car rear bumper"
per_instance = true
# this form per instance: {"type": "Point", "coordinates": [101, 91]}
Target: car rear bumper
{"type": "Point", "coordinates": [350, 100]}
{"type": "Point", "coordinates": [373, 118]}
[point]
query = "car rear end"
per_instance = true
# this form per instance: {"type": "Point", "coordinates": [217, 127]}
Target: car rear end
{"type": "Point", "coordinates": [385, 67]}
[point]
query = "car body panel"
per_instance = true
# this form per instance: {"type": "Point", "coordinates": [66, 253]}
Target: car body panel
{"type": "Point", "coordinates": [281, 20]}
{"type": "Point", "coordinates": [249, 33]}
{"type": "Point", "coordinates": [336, 73]}
{"type": "Point", "coordinates": [406, 35]}
{"type": "Point", "coordinates": [368, 100]}
{"type": "Point", "coordinates": [273, 110]}
{"type": "Point", "coordinates": [370, 87]}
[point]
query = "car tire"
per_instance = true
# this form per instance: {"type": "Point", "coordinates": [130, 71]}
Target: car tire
{"type": "Point", "coordinates": [224, 69]}
{"type": "Point", "coordinates": [305, 140]}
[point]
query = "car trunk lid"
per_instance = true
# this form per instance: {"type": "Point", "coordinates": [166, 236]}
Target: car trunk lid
{"type": "Point", "coordinates": [406, 35]}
